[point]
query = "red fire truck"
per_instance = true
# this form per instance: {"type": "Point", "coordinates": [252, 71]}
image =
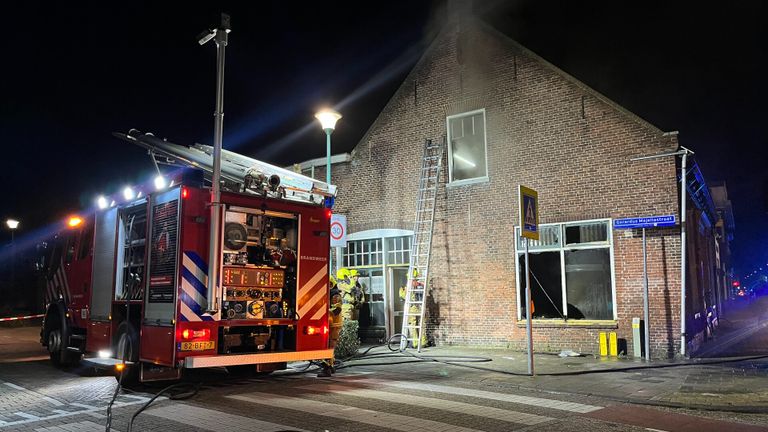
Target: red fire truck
{"type": "Point", "coordinates": [127, 283]}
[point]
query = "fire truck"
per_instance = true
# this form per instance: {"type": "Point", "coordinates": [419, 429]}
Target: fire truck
{"type": "Point", "coordinates": [127, 283]}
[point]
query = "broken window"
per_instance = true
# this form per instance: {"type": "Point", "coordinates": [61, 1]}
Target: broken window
{"type": "Point", "coordinates": [546, 285]}
{"type": "Point", "coordinates": [571, 272]}
{"type": "Point", "coordinates": [588, 284]}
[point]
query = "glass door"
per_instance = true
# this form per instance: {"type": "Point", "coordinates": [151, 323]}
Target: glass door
{"type": "Point", "coordinates": [398, 278]}
{"type": "Point", "coordinates": [372, 321]}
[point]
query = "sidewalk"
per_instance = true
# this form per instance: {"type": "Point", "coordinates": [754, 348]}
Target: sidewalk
{"type": "Point", "coordinates": [730, 384]}
{"type": "Point", "coordinates": [718, 380]}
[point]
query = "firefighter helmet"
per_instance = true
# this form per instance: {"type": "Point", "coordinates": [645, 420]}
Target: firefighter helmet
{"type": "Point", "coordinates": [342, 274]}
{"type": "Point", "coordinates": [354, 273]}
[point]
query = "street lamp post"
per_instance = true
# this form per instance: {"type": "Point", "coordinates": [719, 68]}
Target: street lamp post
{"type": "Point", "coordinates": [12, 225]}
{"type": "Point", "coordinates": [328, 119]}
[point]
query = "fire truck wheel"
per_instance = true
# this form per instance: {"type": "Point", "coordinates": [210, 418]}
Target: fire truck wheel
{"type": "Point", "coordinates": [127, 348]}
{"type": "Point", "coordinates": [57, 349]}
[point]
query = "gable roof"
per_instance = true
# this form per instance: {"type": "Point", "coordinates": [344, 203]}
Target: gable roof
{"type": "Point", "coordinates": [445, 30]}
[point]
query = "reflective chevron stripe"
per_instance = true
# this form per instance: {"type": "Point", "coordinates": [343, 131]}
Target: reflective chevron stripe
{"type": "Point", "coordinates": [194, 282]}
{"type": "Point", "coordinates": [313, 296]}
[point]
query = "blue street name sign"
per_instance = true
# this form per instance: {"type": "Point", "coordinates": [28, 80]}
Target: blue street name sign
{"type": "Point", "coordinates": [644, 222]}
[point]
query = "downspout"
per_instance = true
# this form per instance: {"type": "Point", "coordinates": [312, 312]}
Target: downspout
{"type": "Point", "coordinates": [683, 197]}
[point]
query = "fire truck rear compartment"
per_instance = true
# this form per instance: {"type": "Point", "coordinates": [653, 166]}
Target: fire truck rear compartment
{"type": "Point", "coordinates": [259, 281]}
{"type": "Point", "coordinates": [253, 339]}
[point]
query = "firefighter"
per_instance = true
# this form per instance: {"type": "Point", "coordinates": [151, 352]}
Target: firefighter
{"type": "Point", "coordinates": [334, 317]}
{"type": "Point", "coordinates": [334, 322]}
{"type": "Point", "coordinates": [358, 293]}
{"type": "Point", "coordinates": [352, 295]}
{"type": "Point", "coordinates": [413, 310]}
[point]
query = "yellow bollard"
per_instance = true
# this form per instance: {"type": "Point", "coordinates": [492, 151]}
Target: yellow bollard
{"type": "Point", "coordinates": [613, 344]}
{"type": "Point", "coordinates": [603, 344]}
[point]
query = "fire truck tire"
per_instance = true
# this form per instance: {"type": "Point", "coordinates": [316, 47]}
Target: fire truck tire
{"type": "Point", "coordinates": [127, 348]}
{"type": "Point", "coordinates": [57, 349]}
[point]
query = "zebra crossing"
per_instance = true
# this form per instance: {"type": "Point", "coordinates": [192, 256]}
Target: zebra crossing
{"type": "Point", "coordinates": [361, 402]}
{"type": "Point", "coordinates": [403, 412]}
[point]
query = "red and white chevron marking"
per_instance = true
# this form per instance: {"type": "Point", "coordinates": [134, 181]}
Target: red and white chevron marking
{"type": "Point", "coordinates": [313, 296]}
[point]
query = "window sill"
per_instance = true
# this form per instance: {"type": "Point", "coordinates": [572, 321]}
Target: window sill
{"type": "Point", "coordinates": [468, 182]}
{"type": "Point", "coordinates": [574, 323]}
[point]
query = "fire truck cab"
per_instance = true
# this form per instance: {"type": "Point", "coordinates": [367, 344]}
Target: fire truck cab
{"type": "Point", "coordinates": [128, 282]}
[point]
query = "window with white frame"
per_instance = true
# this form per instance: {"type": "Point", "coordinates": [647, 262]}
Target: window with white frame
{"type": "Point", "coordinates": [571, 271]}
{"type": "Point", "coordinates": [360, 253]}
{"type": "Point", "coordinates": [398, 250]}
{"type": "Point", "coordinates": [467, 160]}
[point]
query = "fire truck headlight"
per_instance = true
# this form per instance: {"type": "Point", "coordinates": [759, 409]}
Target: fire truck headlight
{"type": "Point", "coordinates": [102, 202]}
{"type": "Point", "coordinates": [105, 354]}
{"type": "Point", "coordinates": [160, 182]}
{"type": "Point", "coordinates": [128, 193]}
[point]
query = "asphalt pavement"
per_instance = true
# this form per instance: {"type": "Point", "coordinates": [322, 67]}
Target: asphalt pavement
{"type": "Point", "coordinates": [445, 388]}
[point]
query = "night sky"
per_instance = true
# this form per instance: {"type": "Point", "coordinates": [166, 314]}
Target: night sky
{"type": "Point", "coordinates": [72, 74]}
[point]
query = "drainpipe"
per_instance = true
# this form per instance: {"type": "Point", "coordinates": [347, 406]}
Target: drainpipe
{"type": "Point", "coordinates": [683, 196]}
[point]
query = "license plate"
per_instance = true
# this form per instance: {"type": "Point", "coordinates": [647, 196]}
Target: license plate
{"type": "Point", "coordinates": [198, 346]}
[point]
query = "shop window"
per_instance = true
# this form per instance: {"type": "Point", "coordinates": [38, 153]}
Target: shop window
{"type": "Point", "coordinates": [588, 284]}
{"type": "Point", "coordinates": [546, 285]}
{"type": "Point", "coordinates": [570, 279]}
{"type": "Point", "coordinates": [586, 233]}
{"type": "Point", "coordinates": [467, 147]}
{"type": "Point", "coordinates": [549, 238]}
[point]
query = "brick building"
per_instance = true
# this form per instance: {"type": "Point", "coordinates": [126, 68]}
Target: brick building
{"type": "Point", "coordinates": [509, 117]}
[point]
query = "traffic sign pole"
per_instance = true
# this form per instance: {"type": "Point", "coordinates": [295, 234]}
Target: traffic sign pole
{"type": "Point", "coordinates": [646, 314]}
{"type": "Point", "coordinates": [529, 229]}
{"type": "Point", "coordinates": [528, 312]}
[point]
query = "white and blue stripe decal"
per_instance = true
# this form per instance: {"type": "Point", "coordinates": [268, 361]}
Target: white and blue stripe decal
{"type": "Point", "coordinates": [194, 282]}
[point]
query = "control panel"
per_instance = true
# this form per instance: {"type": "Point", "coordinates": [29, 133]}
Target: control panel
{"type": "Point", "coordinates": [253, 292]}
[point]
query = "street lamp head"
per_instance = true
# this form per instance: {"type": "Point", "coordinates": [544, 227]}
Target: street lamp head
{"type": "Point", "coordinates": [328, 119]}
{"type": "Point", "coordinates": [12, 223]}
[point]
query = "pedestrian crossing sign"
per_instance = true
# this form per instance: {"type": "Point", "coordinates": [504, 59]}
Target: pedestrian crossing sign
{"type": "Point", "coordinates": [529, 213]}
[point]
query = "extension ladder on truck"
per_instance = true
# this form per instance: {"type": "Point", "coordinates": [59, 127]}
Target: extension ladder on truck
{"type": "Point", "coordinates": [418, 270]}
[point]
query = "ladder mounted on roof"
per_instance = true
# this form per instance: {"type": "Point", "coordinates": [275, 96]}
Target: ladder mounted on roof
{"type": "Point", "coordinates": [418, 271]}
{"type": "Point", "coordinates": [247, 174]}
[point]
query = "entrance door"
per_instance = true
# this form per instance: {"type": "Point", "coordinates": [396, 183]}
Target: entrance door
{"type": "Point", "coordinates": [372, 312]}
{"type": "Point", "coordinates": [398, 277]}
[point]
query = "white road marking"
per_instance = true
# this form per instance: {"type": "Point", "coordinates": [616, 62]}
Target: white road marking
{"type": "Point", "coordinates": [438, 404]}
{"type": "Point", "coordinates": [360, 415]}
{"type": "Point", "coordinates": [34, 393]}
{"type": "Point", "coordinates": [213, 420]}
{"type": "Point", "coordinates": [26, 416]}
{"type": "Point", "coordinates": [504, 397]}
{"type": "Point", "coordinates": [86, 409]}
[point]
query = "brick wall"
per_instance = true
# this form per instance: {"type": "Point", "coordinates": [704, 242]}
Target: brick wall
{"type": "Point", "coordinates": [544, 130]}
